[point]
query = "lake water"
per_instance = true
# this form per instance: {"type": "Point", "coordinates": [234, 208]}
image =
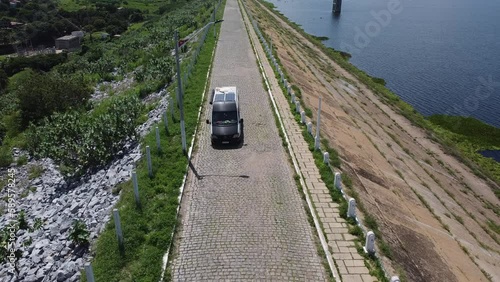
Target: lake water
{"type": "Point", "coordinates": [442, 57]}
{"type": "Point", "coordinates": [494, 154]}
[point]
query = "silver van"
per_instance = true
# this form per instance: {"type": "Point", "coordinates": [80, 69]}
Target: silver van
{"type": "Point", "coordinates": [227, 125]}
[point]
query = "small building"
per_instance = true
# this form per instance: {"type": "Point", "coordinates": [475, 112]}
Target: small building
{"type": "Point", "coordinates": [68, 42]}
{"type": "Point", "coordinates": [13, 3]}
{"type": "Point", "coordinates": [78, 34]}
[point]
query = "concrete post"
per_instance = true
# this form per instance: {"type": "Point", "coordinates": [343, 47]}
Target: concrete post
{"type": "Point", "coordinates": [297, 106]}
{"type": "Point", "coordinates": [369, 247]}
{"type": "Point", "coordinates": [337, 6]}
{"type": "Point", "coordinates": [150, 165]}
{"type": "Point", "coordinates": [289, 90]}
{"type": "Point", "coordinates": [158, 146]}
{"type": "Point", "coordinates": [89, 272]}
{"type": "Point", "coordinates": [316, 139]}
{"type": "Point", "coordinates": [215, 29]}
{"type": "Point", "coordinates": [118, 228]}
{"type": "Point", "coordinates": [395, 279]}
{"type": "Point", "coordinates": [171, 104]}
{"type": "Point", "coordinates": [303, 117]}
{"type": "Point", "coordinates": [326, 157]}
{"type": "Point", "coordinates": [309, 127]}
{"type": "Point", "coordinates": [136, 188]}
{"type": "Point", "coordinates": [293, 98]}
{"type": "Point", "coordinates": [351, 210]}
{"type": "Point", "coordinates": [179, 93]}
{"type": "Point", "coordinates": [338, 181]}
{"type": "Point", "coordinates": [165, 121]}
{"type": "Point", "coordinates": [285, 83]}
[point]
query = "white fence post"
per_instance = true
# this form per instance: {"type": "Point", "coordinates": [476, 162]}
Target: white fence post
{"type": "Point", "coordinates": [136, 188]}
{"type": "Point", "coordinates": [338, 181]}
{"type": "Point", "coordinates": [395, 279]}
{"type": "Point", "coordinates": [89, 272]}
{"type": "Point", "coordinates": [303, 117]}
{"type": "Point", "coordinates": [370, 243]}
{"type": "Point", "coordinates": [309, 127]}
{"type": "Point", "coordinates": [118, 228]}
{"type": "Point", "coordinates": [165, 121]}
{"type": "Point", "coordinates": [316, 139]}
{"type": "Point", "coordinates": [326, 157]}
{"type": "Point", "coordinates": [158, 146]}
{"type": "Point", "coordinates": [171, 104]}
{"type": "Point", "coordinates": [297, 106]}
{"type": "Point", "coordinates": [150, 165]}
{"type": "Point", "coordinates": [351, 210]}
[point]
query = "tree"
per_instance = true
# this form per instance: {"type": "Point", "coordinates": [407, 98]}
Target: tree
{"type": "Point", "coordinates": [41, 94]}
{"type": "Point", "coordinates": [4, 79]}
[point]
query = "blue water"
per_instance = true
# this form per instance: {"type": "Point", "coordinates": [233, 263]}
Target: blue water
{"type": "Point", "coordinates": [494, 154]}
{"type": "Point", "coordinates": [440, 56]}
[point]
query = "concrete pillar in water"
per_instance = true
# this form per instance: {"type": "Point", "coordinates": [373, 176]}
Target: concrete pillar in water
{"type": "Point", "coordinates": [337, 5]}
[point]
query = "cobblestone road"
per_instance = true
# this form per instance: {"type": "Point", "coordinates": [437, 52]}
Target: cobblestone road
{"type": "Point", "coordinates": [244, 228]}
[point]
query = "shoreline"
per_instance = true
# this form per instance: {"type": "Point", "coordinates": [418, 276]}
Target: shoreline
{"type": "Point", "coordinates": [482, 166]}
{"type": "Point", "coordinates": [408, 179]}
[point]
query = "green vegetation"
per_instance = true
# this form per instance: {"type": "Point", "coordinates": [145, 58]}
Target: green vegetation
{"type": "Point", "coordinates": [83, 140]}
{"type": "Point", "coordinates": [79, 233]}
{"type": "Point", "coordinates": [466, 152]}
{"type": "Point", "coordinates": [59, 86]}
{"type": "Point", "coordinates": [327, 175]}
{"type": "Point", "coordinates": [42, 20]}
{"type": "Point", "coordinates": [35, 171]}
{"type": "Point", "coordinates": [40, 95]}
{"type": "Point", "coordinates": [44, 63]}
{"type": "Point", "coordinates": [469, 136]}
{"type": "Point", "coordinates": [147, 229]}
{"type": "Point", "coordinates": [469, 128]}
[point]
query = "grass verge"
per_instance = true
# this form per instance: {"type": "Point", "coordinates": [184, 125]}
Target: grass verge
{"type": "Point", "coordinates": [147, 229]}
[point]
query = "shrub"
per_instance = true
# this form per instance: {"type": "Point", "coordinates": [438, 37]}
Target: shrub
{"type": "Point", "coordinates": [81, 141]}
{"type": "Point", "coordinates": [79, 233]}
{"type": "Point", "coordinates": [5, 156]}
{"type": "Point", "coordinates": [40, 62]}
{"type": "Point", "coordinates": [40, 95]}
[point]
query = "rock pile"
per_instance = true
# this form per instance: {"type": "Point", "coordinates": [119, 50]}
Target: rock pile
{"type": "Point", "coordinates": [51, 205]}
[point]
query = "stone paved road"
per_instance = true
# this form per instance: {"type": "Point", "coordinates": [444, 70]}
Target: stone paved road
{"type": "Point", "coordinates": [236, 228]}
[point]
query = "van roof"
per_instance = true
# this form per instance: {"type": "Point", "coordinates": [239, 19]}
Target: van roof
{"type": "Point", "coordinates": [225, 94]}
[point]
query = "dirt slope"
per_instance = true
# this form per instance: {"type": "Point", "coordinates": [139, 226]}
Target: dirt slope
{"type": "Point", "coordinates": [432, 210]}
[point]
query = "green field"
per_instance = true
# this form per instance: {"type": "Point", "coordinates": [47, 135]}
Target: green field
{"type": "Point", "coordinates": [143, 5]}
{"type": "Point", "coordinates": [470, 128]}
